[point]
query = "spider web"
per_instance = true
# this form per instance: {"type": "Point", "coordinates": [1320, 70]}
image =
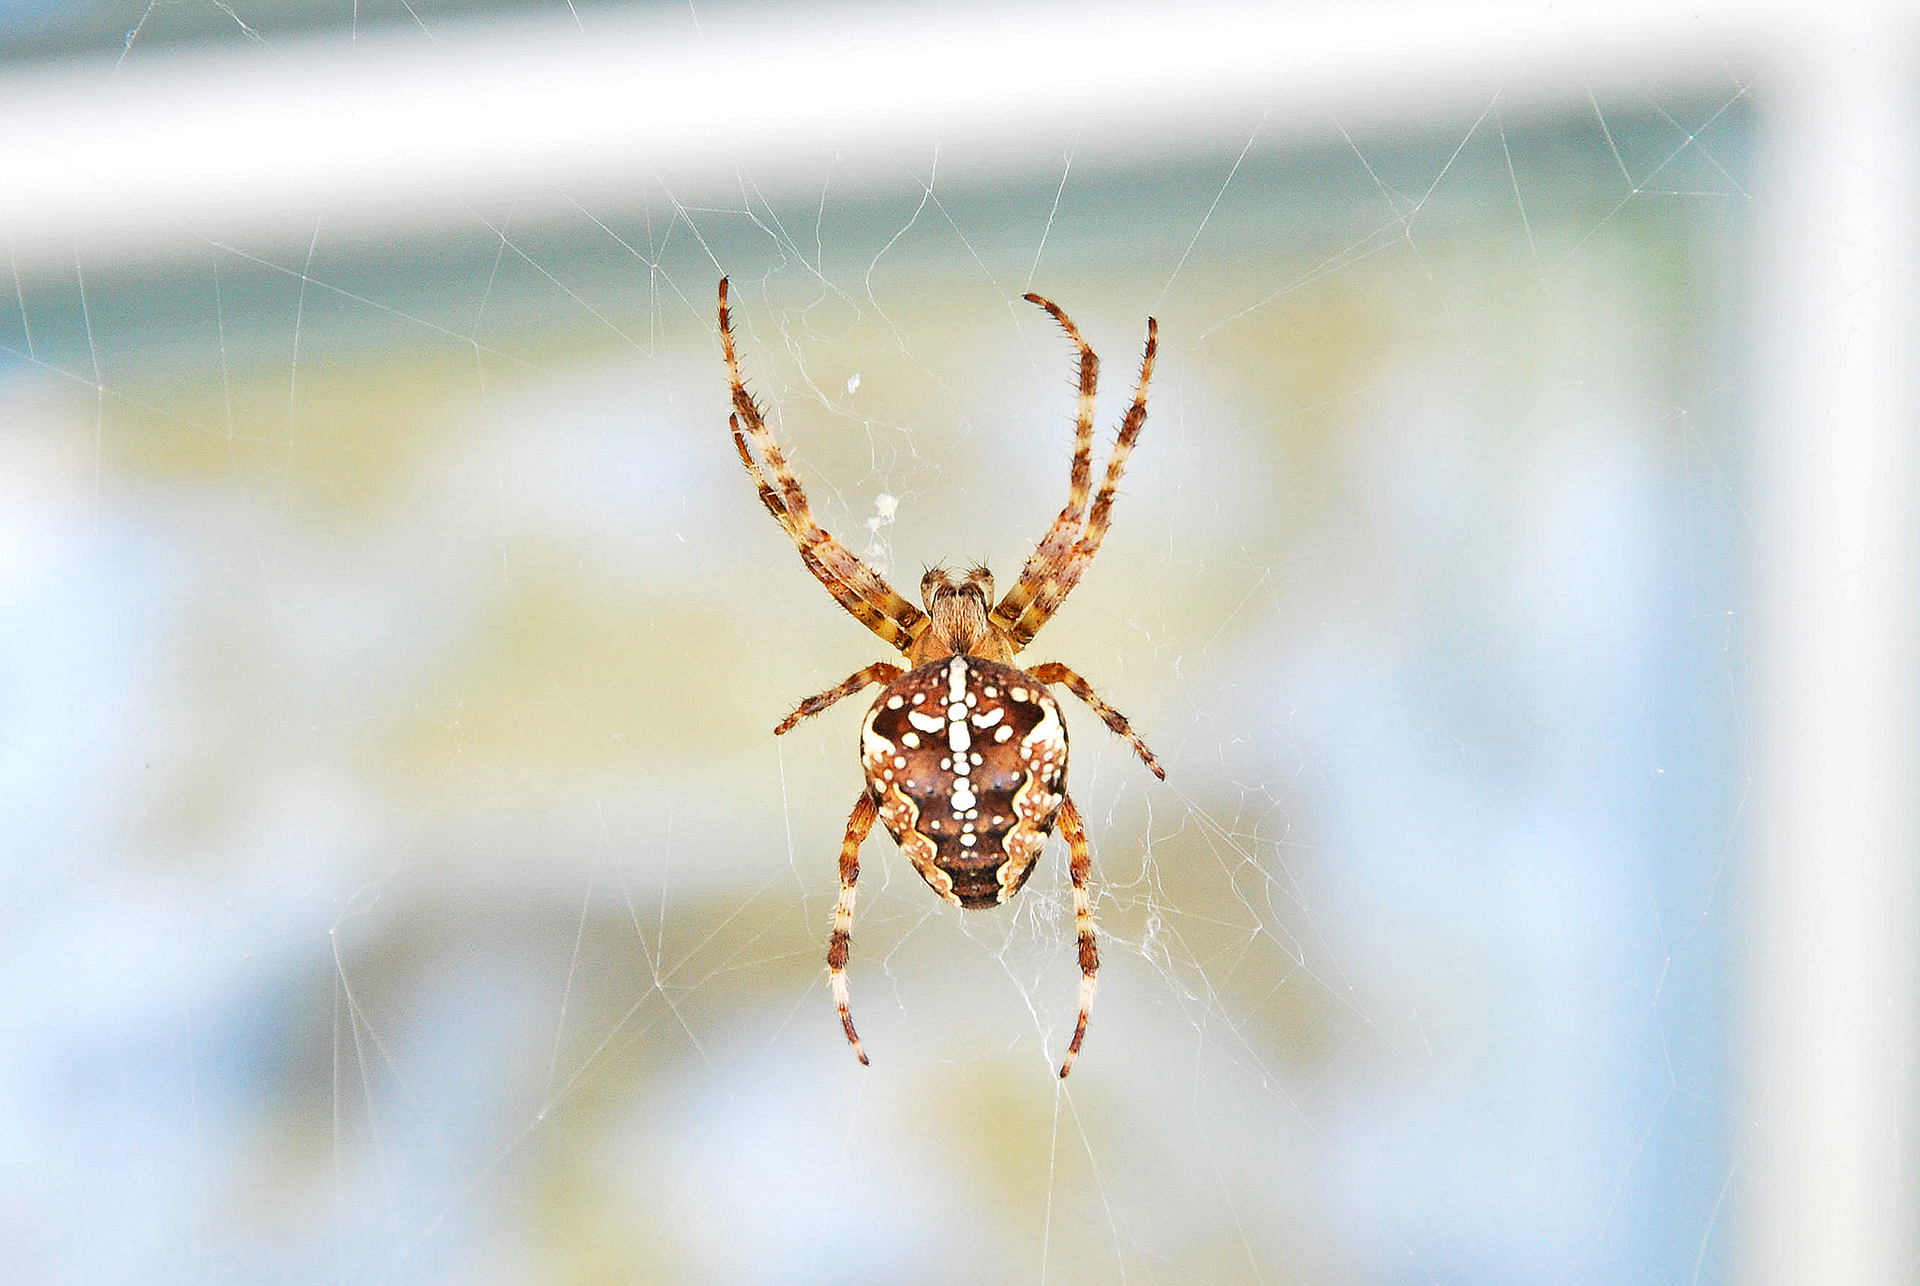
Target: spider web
{"type": "Point", "coordinates": [418, 893]}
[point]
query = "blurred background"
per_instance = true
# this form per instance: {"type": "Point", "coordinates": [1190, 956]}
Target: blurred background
{"type": "Point", "coordinates": [1515, 576]}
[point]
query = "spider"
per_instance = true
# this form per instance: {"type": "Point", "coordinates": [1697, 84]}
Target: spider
{"type": "Point", "coordinates": [965, 753]}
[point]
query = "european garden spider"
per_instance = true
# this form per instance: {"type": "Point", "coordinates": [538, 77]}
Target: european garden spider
{"type": "Point", "coordinates": [965, 754]}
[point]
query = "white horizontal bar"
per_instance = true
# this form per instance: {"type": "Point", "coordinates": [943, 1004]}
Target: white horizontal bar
{"type": "Point", "coordinates": [159, 152]}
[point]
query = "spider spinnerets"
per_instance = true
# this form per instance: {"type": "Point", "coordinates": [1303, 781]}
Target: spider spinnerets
{"type": "Point", "coordinates": [965, 753]}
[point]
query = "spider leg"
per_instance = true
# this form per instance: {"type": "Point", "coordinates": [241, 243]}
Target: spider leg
{"type": "Point", "coordinates": [1068, 575]}
{"type": "Point", "coordinates": [1059, 538]}
{"type": "Point", "coordinates": [879, 672]}
{"type": "Point", "coordinates": [1080, 863]}
{"type": "Point", "coordinates": [1054, 672]}
{"type": "Point", "coordinates": [839, 943]}
{"type": "Point", "coordinates": [1058, 562]}
{"type": "Point", "coordinates": [863, 592]}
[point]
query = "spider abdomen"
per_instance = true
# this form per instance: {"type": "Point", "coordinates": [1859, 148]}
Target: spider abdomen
{"type": "Point", "coordinates": [966, 760]}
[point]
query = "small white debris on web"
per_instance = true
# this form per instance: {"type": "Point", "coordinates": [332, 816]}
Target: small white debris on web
{"type": "Point", "coordinates": [885, 506]}
{"type": "Point", "coordinates": [853, 383]}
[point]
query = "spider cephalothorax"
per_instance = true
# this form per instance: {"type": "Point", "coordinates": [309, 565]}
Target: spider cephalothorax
{"type": "Point", "coordinates": [965, 753]}
{"type": "Point", "coordinates": [958, 619]}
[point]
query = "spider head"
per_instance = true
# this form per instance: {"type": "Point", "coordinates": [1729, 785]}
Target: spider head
{"type": "Point", "coordinates": [957, 604]}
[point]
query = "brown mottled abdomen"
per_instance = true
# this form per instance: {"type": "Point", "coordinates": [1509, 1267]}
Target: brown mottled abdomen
{"type": "Point", "coordinates": [967, 761]}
